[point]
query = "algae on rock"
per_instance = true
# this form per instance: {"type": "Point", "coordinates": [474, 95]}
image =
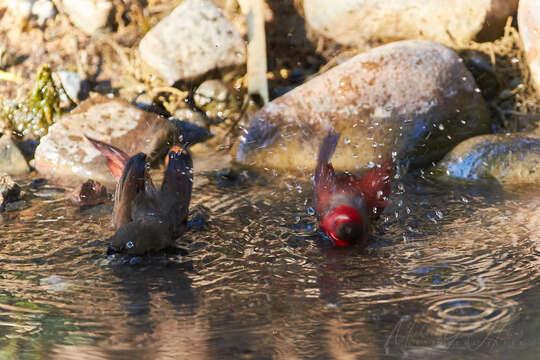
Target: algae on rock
{"type": "Point", "coordinates": [32, 116]}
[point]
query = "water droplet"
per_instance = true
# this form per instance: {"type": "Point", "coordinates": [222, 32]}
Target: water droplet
{"type": "Point", "coordinates": [311, 211]}
{"type": "Point", "coordinates": [347, 141]}
{"type": "Point", "coordinates": [130, 245]}
{"type": "Point", "coordinates": [441, 127]}
{"type": "Point", "coordinates": [371, 164]}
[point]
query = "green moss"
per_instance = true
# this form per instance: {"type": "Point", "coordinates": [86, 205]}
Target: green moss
{"type": "Point", "coordinates": [32, 116]}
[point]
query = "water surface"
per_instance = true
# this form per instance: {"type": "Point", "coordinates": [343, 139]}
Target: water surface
{"type": "Point", "coordinates": [452, 274]}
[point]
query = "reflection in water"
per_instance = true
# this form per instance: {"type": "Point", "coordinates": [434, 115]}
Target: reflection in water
{"type": "Point", "coordinates": [449, 272]}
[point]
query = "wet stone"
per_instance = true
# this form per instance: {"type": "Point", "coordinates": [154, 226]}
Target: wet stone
{"type": "Point", "coordinates": [216, 99]}
{"type": "Point", "coordinates": [380, 112]}
{"type": "Point", "coordinates": [65, 157]}
{"type": "Point", "coordinates": [10, 191]}
{"type": "Point", "coordinates": [507, 159]}
{"type": "Point", "coordinates": [28, 148]}
{"type": "Point", "coordinates": [191, 133]}
{"type": "Point", "coordinates": [479, 64]}
{"type": "Point", "coordinates": [191, 116]}
{"type": "Point", "coordinates": [89, 15]}
{"type": "Point", "coordinates": [529, 30]}
{"type": "Point", "coordinates": [453, 22]}
{"type": "Point", "coordinates": [194, 39]}
{"type": "Point", "coordinates": [12, 161]}
{"type": "Point", "coordinates": [89, 193]}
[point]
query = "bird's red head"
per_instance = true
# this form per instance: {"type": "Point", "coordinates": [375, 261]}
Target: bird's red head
{"type": "Point", "coordinates": [344, 225]}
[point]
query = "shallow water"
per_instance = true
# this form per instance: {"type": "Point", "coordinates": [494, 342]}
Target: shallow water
{"type": "Point", "coordinates": [452, 274]}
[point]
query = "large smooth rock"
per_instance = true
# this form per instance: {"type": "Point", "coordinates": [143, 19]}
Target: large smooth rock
{"type": "Point", "coordinates": [529, 29]}
{"type": "Point", "coordinates": [451, 22]}
{"type": "Point", "coordinates": [411, 99]}
{"type": "Point", "coordinates": [12, 161]}
{"type": "Point", "coordinates": [194, 39]}
{"type": "Point", "coordinates": [89, 15]}
{"type": "Point", "coordinates": [64, 156]}
{"type": "Point", "coordinates": [507, 159]}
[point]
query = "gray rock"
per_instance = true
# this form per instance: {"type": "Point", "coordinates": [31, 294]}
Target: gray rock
{"type": "Point", "coordinates": [64, 156]}
{"type": "Point", "coordinates": [89, 15]}
{"type": "Point", "coordinates": [12, 161]}
{"type": "Point", "coordinates": [506, 159]}
{"type": "Point", "coordinates": [194, 39]}
{"type": "Point", "coordinates": [410, 99]}
{"type": "Point", "coordinates": [529, 30]}
{"type": "Point", "coordinates": [10, 192]}
{"type": "Point", "coordinates": [366, 22]}
{"type": "Point", "coordinates": [216, 99]}
{"type": "Point", "coordinates": [43, 10]}
{"type": "Point", "coordinates": [71, 81]}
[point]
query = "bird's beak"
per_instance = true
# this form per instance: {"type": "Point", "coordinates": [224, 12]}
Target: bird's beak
{"type": "Point", "coordinates": [351, 233]}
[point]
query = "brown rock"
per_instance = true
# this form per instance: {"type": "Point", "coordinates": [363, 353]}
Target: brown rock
{"type": "Point", "coordinates": [410, 99]}
{"type": "Point", "coordinates": [89, 193]}
{"type": "Point", "coordinates": [64, 156]}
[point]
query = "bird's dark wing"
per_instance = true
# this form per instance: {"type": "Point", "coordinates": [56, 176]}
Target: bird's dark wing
{"type": "Point", "coordinates": [131, 184]}
{"type": "Point", "coordinates": [177, 186]}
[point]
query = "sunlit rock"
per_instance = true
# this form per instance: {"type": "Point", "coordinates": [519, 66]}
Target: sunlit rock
{"type": "Point", "coordinates": [12, 161]}
{"type": "Point", "coordinates": [367, 22]}
{"type": "Point", "coordinates": [496, 158]}
{"type": "Point", "coordinates": [43, 10]}
{"type": "Point", "coordinates": [89, 15]}
{"type": "Point", "coordinates": [194, 39]}
{"type": "Point", "coordinates": [411, 99]}
{"type": "Point", "coordinates": [72, 84]}
{"type": "Point", "coordinates": [529, 29]}
{"type": "Point", "coordinates": [67, 158]}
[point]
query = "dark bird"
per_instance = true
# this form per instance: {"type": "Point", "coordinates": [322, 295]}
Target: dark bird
{"type": "Point", "coordinates": [346, 204]}
{"type": "Point", "coordinates": [147, 219]}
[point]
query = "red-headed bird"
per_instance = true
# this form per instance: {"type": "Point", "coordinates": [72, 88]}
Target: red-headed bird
{"type": "Point", "coordinates": [147, 219]}
{"type": "Point", "coordinates": [345, 203]}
